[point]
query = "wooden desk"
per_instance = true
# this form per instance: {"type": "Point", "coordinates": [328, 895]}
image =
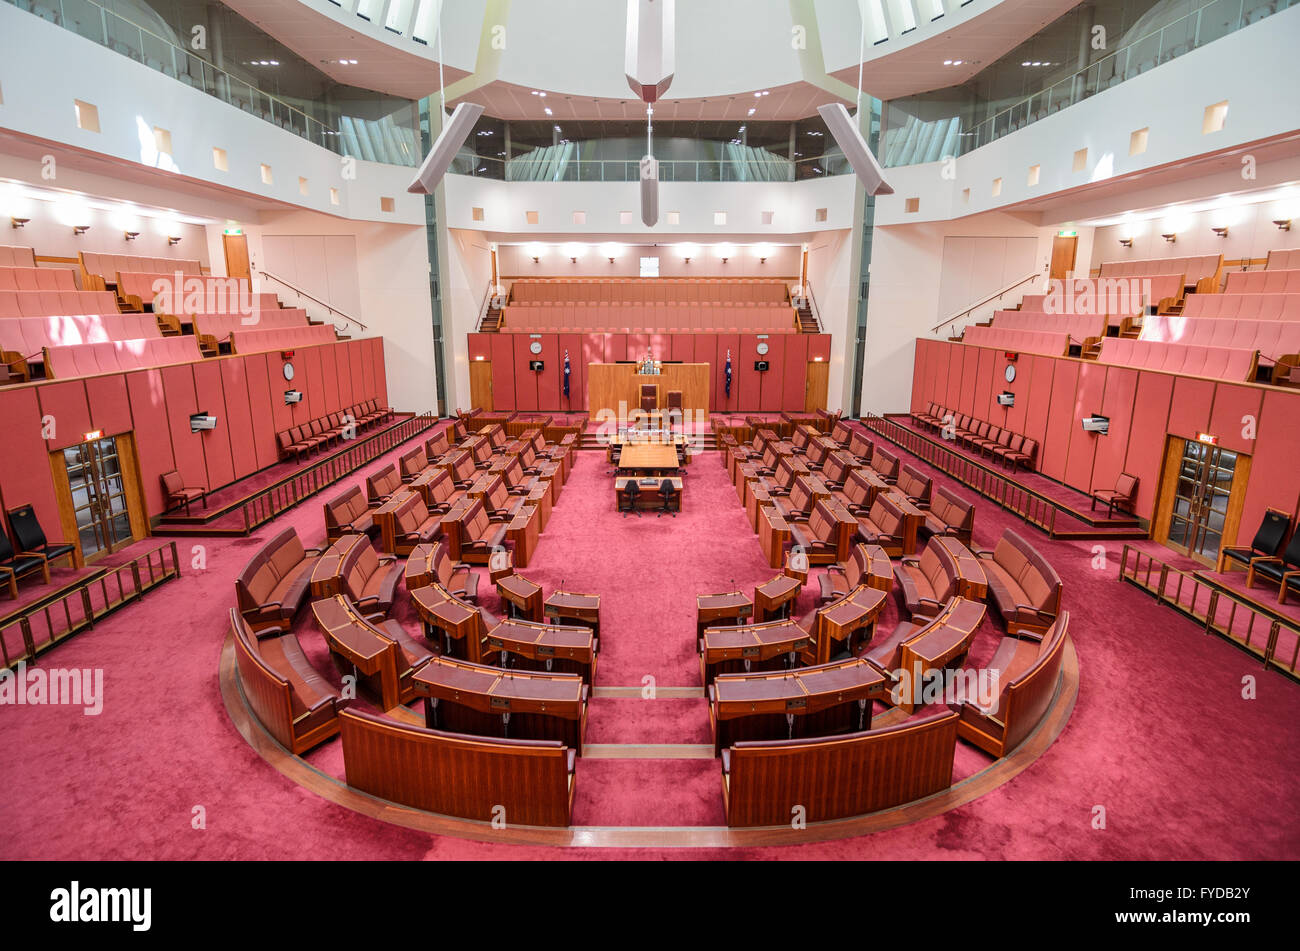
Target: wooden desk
{"type": "Point", "coordinates": [971, 580]}
{"type": "Point", "coordinates": [523, 530]}
{"type": "Point", "coordinates": [464, 697]}
{"type": "Point", "coordinates": [773, 534]}
{"type": "Point", "coordinates": [522, 594]}
{"type": "Point", "coordinates": [650, 493]}
{"type": "Point", "coordinates": [375, 659]}
{"type": "Point", "coordinates": [583, 609]}
{"type": "Point", "coordinates": [654, 456]}
{"type": "Point", "coordinates": [552, 647]}
{"type": "Point", "coordinates": [811, 701]}
{"type": "Point", "coordinates": [385, 517]}
{"type": "Point", "coordinates": [710, 608]}
{"type": "Point", "coordinates": [461, 623]}
{"type": "Point", "coordinates": [326, 574]}
{"type": "Point", "coordinates": [772, 597]}
{"type": "Point", "coordinates": [843, 620]}
{"type": "Point", "coordinates": [609, 384]}
{"type": "Point", "coordinates": [742, 648]}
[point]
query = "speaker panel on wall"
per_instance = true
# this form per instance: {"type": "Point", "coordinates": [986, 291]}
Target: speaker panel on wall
{"type": "Point", "coordinates": [445, 147]}
{"type": "Point", "coordinates": [849, 139]}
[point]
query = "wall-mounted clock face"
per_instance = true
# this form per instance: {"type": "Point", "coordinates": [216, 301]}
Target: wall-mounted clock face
{"type": "Point", "coordinates": [288, 371]}
{"type": "Point", "coordinates": [535, 347]}
{"type": "Point", "coordinates": [762, 347]}
{"type": "Point", "coordinates": [1011, 373]}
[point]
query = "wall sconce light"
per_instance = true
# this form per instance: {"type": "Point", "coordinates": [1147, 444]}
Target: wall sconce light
{"type": "Point", "coordinates": [534, 259]}
{"type": "Point", "coordinates": [1171, 237]}
{"type": "Point", "coordinates": [1283, 224]}
{"type": "Point", "coordinates": [1126, 242]}
{"type": "Point", "coordinates": [173, 240]}
{"type": "Point", "coordinates": [132, 235]}
{"type": "Point", "coordinates": [18, 222]}
{"type": "Point", "coordinates": [1221, 232]}
{"type": "Point", "coordinates": [80, 229]}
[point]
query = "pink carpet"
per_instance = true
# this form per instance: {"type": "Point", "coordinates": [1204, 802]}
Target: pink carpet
{"type": "Point", "coordinates": [1158, 737]}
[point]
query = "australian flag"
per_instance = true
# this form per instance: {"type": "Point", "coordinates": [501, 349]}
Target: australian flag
{"type": "Point", "coordinates": [728, 372]}
{"type": "Point", "coordinates": [567, 371]}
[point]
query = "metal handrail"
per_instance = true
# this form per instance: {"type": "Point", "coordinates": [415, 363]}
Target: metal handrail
{"type": "Point", "coordinates": [987, 300]}
{"type": "Point", "coordinates": [301, 293]}
{"type": "Point", "coordinates": [812, 304]}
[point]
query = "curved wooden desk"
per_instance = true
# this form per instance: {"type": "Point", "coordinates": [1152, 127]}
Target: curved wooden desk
{"type": "Point", "coordinates": [552, 647]}
{"type": "Point", "coordinates": [843, 621]}
{"type": "Point", "coordinates": [743, 648]}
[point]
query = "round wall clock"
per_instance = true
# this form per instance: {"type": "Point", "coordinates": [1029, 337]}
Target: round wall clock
{"type": "Point", "coordinates": [762, 347]}
{"type": "Point", "coordinates": [535, 347]}
{"type": "Point", "coordinates": [288, 371]}
{"type": "Point", "coordinates": [1011, 373]}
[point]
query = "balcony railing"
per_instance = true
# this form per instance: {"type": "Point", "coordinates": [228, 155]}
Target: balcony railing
{"type": "Point", "coordinates": [526, 169]}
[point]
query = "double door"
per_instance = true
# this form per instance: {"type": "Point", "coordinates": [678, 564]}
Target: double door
{"type": "Point", "coordinates": [1205, 487]}
{"type": "Point", "coordinates": [100, 501]}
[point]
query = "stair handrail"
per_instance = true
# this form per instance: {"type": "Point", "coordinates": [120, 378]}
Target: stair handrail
{"type": "Point", "coordinates": [301, 293]}
{"type": "Point", "coordinates": [992, 297]}
{"type": "Point", "coordinates": [489, 293]}
{"type": "Point", "coordinates": [807, 291]}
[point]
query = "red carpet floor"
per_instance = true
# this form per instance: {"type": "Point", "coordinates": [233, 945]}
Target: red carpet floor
{"type": "Point", "coordinates": [1160, 736]}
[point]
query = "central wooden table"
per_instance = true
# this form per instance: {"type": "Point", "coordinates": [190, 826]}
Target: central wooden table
{"type": "Point", "coordinates": [650, 456]}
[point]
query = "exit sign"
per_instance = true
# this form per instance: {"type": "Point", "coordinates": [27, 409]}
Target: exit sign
{"type": "Point", "coordinates": [1067, 234]}
{"type": "Point", "coordinates": [1207, 439]}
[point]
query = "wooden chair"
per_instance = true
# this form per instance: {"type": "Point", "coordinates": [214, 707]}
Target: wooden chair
{"type": "Point", "coordinates": [178, 493]}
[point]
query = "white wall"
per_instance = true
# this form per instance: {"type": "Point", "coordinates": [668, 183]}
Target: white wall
{"type": "Point", "coordinates": [830, 275]}
{"type": "Point", "coordinates": [779, 260]}
{"type": "Point", "coordinates": [465, 281]}
{"type": "Point", "coordinates": [1170, 101]}
{"type": "Point", "coordinates": [392, 281]}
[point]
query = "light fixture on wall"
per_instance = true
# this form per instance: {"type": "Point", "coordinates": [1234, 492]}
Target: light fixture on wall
{"type": "Point", "coordinates": [1171, 237]}
{"type": "Point", "coordinates": [535, 251]}
{"type": "Point", "coordinates": [18, 222]}
{"type": "Point", "coordinates": [1283, 224]}
{"type": "Point", "coordinates": [1126, 242]}
{"type": "Point", "coordinates": [80, 229]}
{"type": "Point", "coordinates": [611, 250]}
{"type": "Point", "coordinates": [1221, 232]}
{"type": "Point", "coordinates": [688, 251]}
{"type": "Point", "coordinates": [573, 251]}
{"type": "Point", "coordinates": [173, 240]}
{"type": "Point", "coordinates": [131, 235]}
{"type": "Point", "coordinates": [763, 251]}
{"type": "Point", "coordinates": [725, 251]}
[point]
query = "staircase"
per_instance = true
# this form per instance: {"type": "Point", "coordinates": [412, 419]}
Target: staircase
{"type": "Point", "coordinates": [491, 320]}
{"type": "Point", "coordinates": [807, 322]}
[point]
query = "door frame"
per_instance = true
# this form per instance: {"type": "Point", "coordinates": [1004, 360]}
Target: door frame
{"type": "Point", "coordinates": [132, 491]}
{"type": "Point", "coordinates": [1175, 448]}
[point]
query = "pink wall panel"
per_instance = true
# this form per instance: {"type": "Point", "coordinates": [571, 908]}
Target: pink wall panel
{"type": "Point", "coordinates": [1013, 417]}
{"type": "Point", "coordinates": [1060, 424]}
{"type": "Point", "coordinates": [182, 402]}
{"type": "Point", "coordinates": [747, 376]}
{"type": "Point", "coordinates": [309, 359]}
{"type": "Point", "coordinates": [819, 345]}
{"type": "Point", "coordinates": [919, 376]}
{"type": "Point", "coordinates": [110, 407]}
{"type": "Point", "coordinates": [721, 402]}
{"type": "Point", "coordinates": [24, 465]}
{"type": "Point", "coordinates": [367, 369]}
{"type": "Point", "coordinates": [796, 372]}
{"type": "Point", "coordinates": [380, 391]}
{"type": "Point", "coordinates": [152, 435]}
{"type": "Point", "coordinates": [970, 361]}
{"type": "Point", "coordinates": [525, 379]}
{"type": "Point", "coordinates": [985, 407]}
{"type": "Point", "coordinates": [548, 381]}
{"type": "Point", "coordinates": [503, 371]}
{"type": "Point", "coordinates": [952, 389]}
{"type": "Point", "coordinates": [1146, 437]}
{"type": "Point", "coordinates": [480, 345]}
{"type": "Point", "coordinates": [661, 345]}
{"type": "Point", "coordinates": [330, 378]}
{"type": "Point", "coordinates": [343, 360]}
{"type": "Point", "coordinates": [239, 418]}
{"type": "Point", "coordinates": [65, 405]}
{"type": "Point", "coordinates": [1235, 418]}
{"type": "Point", "coordinates": [1273, 482]}
{"type": "Point", "coordinates": [1088, 398]}
{"type": "Point", "coordinates": [577, 375]}
{"type": "Point", "coordinates": [282, 417]}
{"type": "Point", "coordinates": [259, 406]}
{"type": "Point", "coordinates": [935, 386]}
{"type": "Point", "coordinates": [1190, 412]}
{"type": "Point", "coordinates": [637, 345]}
{"type": "Point", "coordinates": [772, 383]}
{"type": "Point", "coordinates": [683, 348]}
{"type": "Point", "coordinates": [211, 398]}
{"type": "Point", "coordinates": [1041, 372]}
{"type": "Point", "coordinates": [616, 349]}
{"type": "Point", "coordinates": [1121, 390]}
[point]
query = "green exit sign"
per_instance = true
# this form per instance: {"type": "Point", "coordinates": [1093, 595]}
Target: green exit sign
{"type": "Point", "coordinates": [234, 231]}
{"type": "Point", "coordinates": [1067, 234]}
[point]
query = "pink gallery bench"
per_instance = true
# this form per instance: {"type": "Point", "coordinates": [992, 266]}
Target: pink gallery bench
{"type": "Point", "coordinates": [37, 279]}
{"type": "Point", "coordinates": [136, 289]}
{"type": "Point", "coordinates": [23, 340]}
{"type": "Point", "coordinates": [89, 359]}
{"type": "Point", "coordinates": [50, 303]}
{"type": "Point", "coordinates": [1274, 339]}
{"type": "Point", "coordinates": [1019, 341]}
{"type": "Point", "coordinates": [1250, 306]}
{"type": "Point", "coordinates": [639, 290]}
{"type": "Point", "coordinates": [98, 269]}
{"type": "Point", "coordinates": [1283, 259]}
{"type": "Point", "coordinates": [1080, 328]}
{"type": "Point", "coordinates": [1197, 268]}
{"type": "Point", "coordinates": [260, 341]}
{"type": "Point", "coordinates": [12, 256]}
{"type": "Point", "coordinates": [215, 329]}
{"type": "Point", "coordinates": [1219, 363]}
{"type": "Point", "coordinates": [1263, 282]}
{"type": "Point", "coordinates": [1120, 298]}
{"type": "Point", "coordinates": [618, 317]}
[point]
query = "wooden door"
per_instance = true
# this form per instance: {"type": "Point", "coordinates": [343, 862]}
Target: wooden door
{"type": "Point", "coordinates": [480, 385]}
{"type": "Point", "coordinates": [819, 378]}
{"type": "Point", "coordinates": [236, 246]}
{"type": "Point", "coordinates": [1202, 492]}
{"type": "Point", "coordinates": [1063, 251]}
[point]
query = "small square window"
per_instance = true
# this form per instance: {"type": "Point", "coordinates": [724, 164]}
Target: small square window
{"type": "Point", "coordinates": [997, 187]}
{"type": "Point", "coordinates": [302, 185]}
{"type": "Point", "coordinates": [819, 214]}
{"type": "Point", "coordinates": [720, 217]}
{"type": "Point", "coordinates": [87, 116]}
{"type": "Point", "coordinates": [579, 217]}
{"type": "Point", "coordinates": [674, 217]}
{"type": "Point", "coordinates": [476, 214]}
{"type": "Point", "coordinates": [625, 217]}
{"type": "Point", "coordinates": [767, 217]}
{"type": "Point", "coordinates": [1137, 142]}
{"type": "Point", "coordinates": [965, 195]}
{"type": "Point", "coordinates": [1081, 160]}
{"type": "Point", "coordinates": [162, 140]}
{"type": "Point", "coordinates": [1215, 116]}
{"type": "Point", "coordinates": [266, 175]}
{"type": "Point", "coordinates": [219, 160]}
{"type": "Point", "coordinates": [334, 196]}
{"type": "Point", "coordinates": [912, 206]}
{"type": "Point", "coordinates": [1034, 171]}
{"type": "Point", "coordinates": [533, 217]}
{"type": "Point", "coordinates": [387, 204]}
